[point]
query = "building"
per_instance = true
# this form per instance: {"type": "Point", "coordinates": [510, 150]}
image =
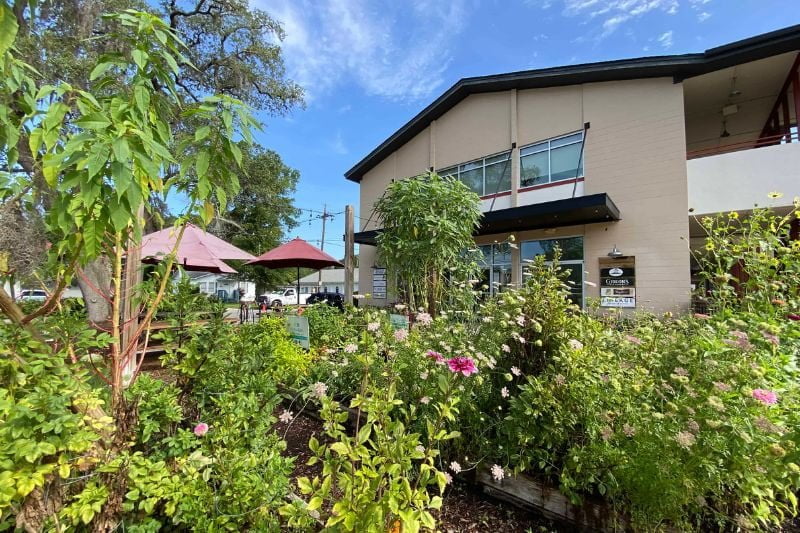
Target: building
{"type": "Point", "coordinates": [332, 281]}
{"type": "Point", "coordinates": [222, 286]}
{"type": "Point", "coordinates": [605, 157]}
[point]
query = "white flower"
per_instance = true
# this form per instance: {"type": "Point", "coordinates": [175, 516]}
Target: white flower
{"type": "Point", "coordinates": [286, 416]}
{"type": "Point", "coordinates": [504, 392]}
{"type": "Point", "coordinates": [351, 348]}
{"type": "Point", "coordinates": [521, 320]}
{"type": "Point", "coordinates": [423, 375]}
{"type": "Point", "coordinates": [420, 448]}
{"type": "Point", "coordinates": [487, 319]}
{"type": "Point", "coordinates": [319, 389]}
{"type": "Point", "coordinates": [516, 371]}
{"type": "Point", "coordinates": [455, 467]}
{"type": "Point", "coordinates": [400, 335]}
{"type": "Point", "coordinates": [373, 326]}
{"type": "Point", "coordinates": [400, 307]}
{"type": "Point", "coordinates": [425, 399]}
{"type": "Point", "coordinates": [506, 348]}
{"type": "Point", "coordinates": [497, 473]}
{"type": "Point", "coordinates": [424, 319]}
{"type": "Point", "coordinates": [447, 478]}
{"type": "Point", "coordinates": [575, 344]}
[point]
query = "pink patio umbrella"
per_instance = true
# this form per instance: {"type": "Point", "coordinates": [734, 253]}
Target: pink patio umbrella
{"type": "Point", "coordinates": [198, 250]}
{"type": "Point", "coordinates": [295, 253]}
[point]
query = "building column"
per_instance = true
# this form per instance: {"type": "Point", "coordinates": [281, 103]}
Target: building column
{"type": "Point", "coordinates": [516, 262]}
{"type": "Point", "coordinates": [514, 150]}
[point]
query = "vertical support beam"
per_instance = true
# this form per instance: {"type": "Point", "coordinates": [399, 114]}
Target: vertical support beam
{"type": "Point", "coordinates": [432, 148]}
{"type": "Point", "coordinates": [349, 254]}
{"type": "Point", "coordinates": [514, 151]}
{"type": "Point", "coordinates": [796, 91]}
{"type": "Point", "coordinates": [516, 263]}
{"type": "Point", "coordinates": [787, 122]}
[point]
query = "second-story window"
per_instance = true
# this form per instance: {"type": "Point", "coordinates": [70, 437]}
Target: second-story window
{"type": "Point", "coordinates": [551, 161]}
{"type": "Point", "coordinates": [485, 176]}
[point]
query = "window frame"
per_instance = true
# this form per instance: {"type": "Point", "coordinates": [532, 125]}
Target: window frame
{"type": "Point", "coordinates": [443, 172]}
{"type": "Point", "coordinates": [549, 149]}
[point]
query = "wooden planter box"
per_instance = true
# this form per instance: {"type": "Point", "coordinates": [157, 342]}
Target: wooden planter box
{"type": "Point", "coordinates": [527, 493]}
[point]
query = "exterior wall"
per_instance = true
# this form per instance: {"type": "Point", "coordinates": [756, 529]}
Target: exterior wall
{"type": "Point", "coordinates": [738, 180]}
{"type": "Point", "coordinates": [634, 151]}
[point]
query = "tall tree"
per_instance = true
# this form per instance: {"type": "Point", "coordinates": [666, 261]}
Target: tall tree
{"type": "Point", "coordinates": [256, 218]}
{"type": "Point", "coordinates": [231, 50]}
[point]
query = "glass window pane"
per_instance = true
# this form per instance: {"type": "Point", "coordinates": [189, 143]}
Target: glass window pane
{"type": "Point", "coordinates": [452, 171]}
{"type": "Point", "coordinates": [555, 143]}
{"type": "Point", "coordinates": [571, 249]}
{"type": "Point", "coordinates": [471, 166]}
{"type": "Point", "coordinates": [486, 250]}
{"type": "Point", "coordinates": [532, 149]}
{"type": "Point", "coordinates": [498, 177]}
{"type": "Point", "coordinates": [574, 281]}
{"type": "Point", "coordinates": [502, 157]}
{"type": "Point", "coordinates": [564, 162]}
{"type": "Point", "coordinates": [473, 179]}
{"type": "Point", "coordinates": [534, 169]}
{"type": "Point", "coordinates": [502, 253]}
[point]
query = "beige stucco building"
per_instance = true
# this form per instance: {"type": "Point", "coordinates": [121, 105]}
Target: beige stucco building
{"type": "Point", "coordinates": [619, 155]}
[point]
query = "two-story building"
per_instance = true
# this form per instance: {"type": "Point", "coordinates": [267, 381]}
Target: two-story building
{"type": "Point", "coordinates": [612, 161]}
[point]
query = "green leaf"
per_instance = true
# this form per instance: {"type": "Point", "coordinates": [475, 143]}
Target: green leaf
{"type": "Point", "coordinates": [140, 57]}
{"type": "Point", "coordinates": [142, 97]}
{"type": "Point", "coordinates": [99, 70]}
{"type": "Point", "coordinates": [201, 133]}
{"type": "Point", "coordinates": [122, 151]}
{"type": "Point", "coordinates": [8, 28]}
{"type": "Point", "coordinates": [315, 503]}
{"type": "Point", "coordinates": [201, 164]}
{"type": "Point", "coordinates": [340, 448]}
{"type": "Point", "coordinates": [94, 121]}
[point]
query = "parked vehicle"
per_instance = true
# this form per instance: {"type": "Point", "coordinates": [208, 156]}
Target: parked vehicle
{"type": "Point", "coordinates": [33, 295]}
{"type": "Point", "coordinates": [286, 297]}
{"type": "Point", "coordinates": [331, 298]}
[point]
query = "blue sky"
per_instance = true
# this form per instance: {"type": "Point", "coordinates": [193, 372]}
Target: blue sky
{"type": "Point", "coordinates": [369, 66]}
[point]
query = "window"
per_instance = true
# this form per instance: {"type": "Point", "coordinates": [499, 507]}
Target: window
{"type": "Point", "coordinates": [551, 161]}
{"type": "Point", "coordinates": [496, 265]}
{"type": "Point", "coordinates": [485, 176]}
{"type": "Point", "coordinates": [571, 260]}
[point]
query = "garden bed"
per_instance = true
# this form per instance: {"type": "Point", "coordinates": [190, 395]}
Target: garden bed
{"type": "Point", "coordinates": [465, 508]}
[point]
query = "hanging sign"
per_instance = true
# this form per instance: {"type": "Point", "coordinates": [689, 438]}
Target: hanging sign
{"type": "Point", "coordinates": [618, 282]}
{"type": "Point", "coordinates": [378, 283]}
{"type": "Point", "coordinates": [298, 330]}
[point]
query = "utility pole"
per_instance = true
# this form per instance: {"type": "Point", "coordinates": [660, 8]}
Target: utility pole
{"type": "Point", "coordinates": [349, 254]}
{"type": "Point", "coordinates": [324, 216]}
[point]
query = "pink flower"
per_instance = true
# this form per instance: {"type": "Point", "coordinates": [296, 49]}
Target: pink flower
{"type": "Point", "coordinates": [447, 478]}
{"type": "Point", "coordinates": [201, 429]}
{"type": "Point", "coordinates": [400, 335]}
{"type": "Point", "coordinates": [773, 339]}
{"type": "Point", "coordinates": [685, 439]}
{"type": "Point", "coordinates": [724, 387]}
{"type": "Point", "coordinates": [635, 340]}
{"type": "Point", "coordinates": [516, 371]}
{"type": "Point", "coordinates": [373, 326]}
{"type": "Point", "coordinates": [436, 356]}
{"type": "Point", "coordinates": [351, 348]}
{"type": "Point", "coordinates": [465, 365]}
{"type": "Point", "coordinates": [425, 400]}
{"type": "Point", "coordinates": [424, 319]}
{"type": "Point", "coordinates": [455, 467]}
{"type": "Point", "coordinates": [793, 316]}
{"type": "Point", "coordinates": [319, 389]}
{"type": "Point", "coordinates": [286, 416]}
{"type": "Point", "coordinates": [702, 316]}
{"type": "Point", "coordinates": [767, 397]}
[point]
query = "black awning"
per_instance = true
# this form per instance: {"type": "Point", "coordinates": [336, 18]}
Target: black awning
{"type": "Point", "coordinates": [589, 209]}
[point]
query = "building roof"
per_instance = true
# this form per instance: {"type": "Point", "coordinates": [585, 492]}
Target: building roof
{"type": "Point", "coordinates": [679, 67]}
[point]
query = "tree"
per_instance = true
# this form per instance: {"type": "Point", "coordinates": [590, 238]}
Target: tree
{"type": "Point", "coordinates": [99, 154]}
{"type": "Point", "coordinates": [231, 49]}
{"type": "Point", "coordinates": [427, 224]}
{"type": "Point", "coordinates": [256, 217]}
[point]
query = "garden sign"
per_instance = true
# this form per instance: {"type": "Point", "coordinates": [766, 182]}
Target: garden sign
{"type": "Point", "coordinates": [618, 282]}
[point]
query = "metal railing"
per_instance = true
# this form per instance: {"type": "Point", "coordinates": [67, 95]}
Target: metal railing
{"type": "Point", "coordinates": [772, 140]}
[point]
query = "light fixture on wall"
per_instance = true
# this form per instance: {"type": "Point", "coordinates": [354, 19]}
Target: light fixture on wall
{"type": "Point", "coordinates": [615, 253]}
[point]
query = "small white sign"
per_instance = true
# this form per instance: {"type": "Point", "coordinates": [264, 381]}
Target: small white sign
{"type": "Point", "coordinates": [298, 329]}
{"type": "Point", "coordinates": [616, 301]}
{"type": "Point", "coordinates": [615, 272]}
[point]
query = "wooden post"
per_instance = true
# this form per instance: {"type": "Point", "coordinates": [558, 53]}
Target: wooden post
{"type": "Point", "coordinates": [130, 318]}
{"type": "Point", "coordinates": [349, 254]}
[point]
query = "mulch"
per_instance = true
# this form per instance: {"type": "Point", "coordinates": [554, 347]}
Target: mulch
{"type": "Point", "coordinates": [465, 508]}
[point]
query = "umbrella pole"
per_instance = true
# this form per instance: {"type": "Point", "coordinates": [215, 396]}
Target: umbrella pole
{"type": "Point", "coordinates": [298, 286]}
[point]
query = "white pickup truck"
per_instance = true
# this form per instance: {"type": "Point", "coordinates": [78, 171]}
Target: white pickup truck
{"type": "Point", "coordinates": [286, 297]}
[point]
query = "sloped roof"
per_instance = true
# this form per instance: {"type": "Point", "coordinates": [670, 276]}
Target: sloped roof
{"type": "Point", "coordinates": [679, 67]}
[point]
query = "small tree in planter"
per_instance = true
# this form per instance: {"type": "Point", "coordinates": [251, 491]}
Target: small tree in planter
{"type": "Point", "coordinates": [427, 234]}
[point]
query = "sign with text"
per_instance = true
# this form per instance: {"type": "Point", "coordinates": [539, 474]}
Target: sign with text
{"type": "Point", "coordinates": [618, 282]}
{"type": "Point", "coordinates": [378, 283]}
{"type": "Point", "coordinates": [298, 330]}
{"type": "Point", "coordinates": [398, 321]}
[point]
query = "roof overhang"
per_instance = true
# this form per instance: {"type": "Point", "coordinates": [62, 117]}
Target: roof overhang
{"type": "Point", "coordinates": [678, 67]}
{"type": "Point", "coordinates": [589, 209]}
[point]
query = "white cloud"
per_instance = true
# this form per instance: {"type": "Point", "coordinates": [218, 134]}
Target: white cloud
{"type": "Point", "coordinates": [337, 145]}
{"type": "Point", "coordinates": [615, 13]}
{"type": "Point", "coordinates": [665, 39]}
{"type": "Point", "coordinates": [330, 42]}
{"type": "Point", "coordinates": [702, 17]}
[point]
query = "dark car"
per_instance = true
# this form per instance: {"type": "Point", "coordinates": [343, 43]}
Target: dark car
{"type": "Point", "coordinates": [331, 298]}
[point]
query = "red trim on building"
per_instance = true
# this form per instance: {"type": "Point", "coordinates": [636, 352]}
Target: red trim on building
{"type": "Point", "coordinates": [498, 195]}
{"type": "Point", "coordinates": [546, 185]}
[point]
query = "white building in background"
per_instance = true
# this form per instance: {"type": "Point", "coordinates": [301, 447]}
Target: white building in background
{"type": "Point", "coordinates": [222, 286]}
{"type": "Point", "coordinates": [332, 281]}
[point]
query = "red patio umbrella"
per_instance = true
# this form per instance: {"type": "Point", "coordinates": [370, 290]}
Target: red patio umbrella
{"type": "Point", "coordinates": [295, 253]}
{"type": "Point", "coordinates": [198, 250]}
